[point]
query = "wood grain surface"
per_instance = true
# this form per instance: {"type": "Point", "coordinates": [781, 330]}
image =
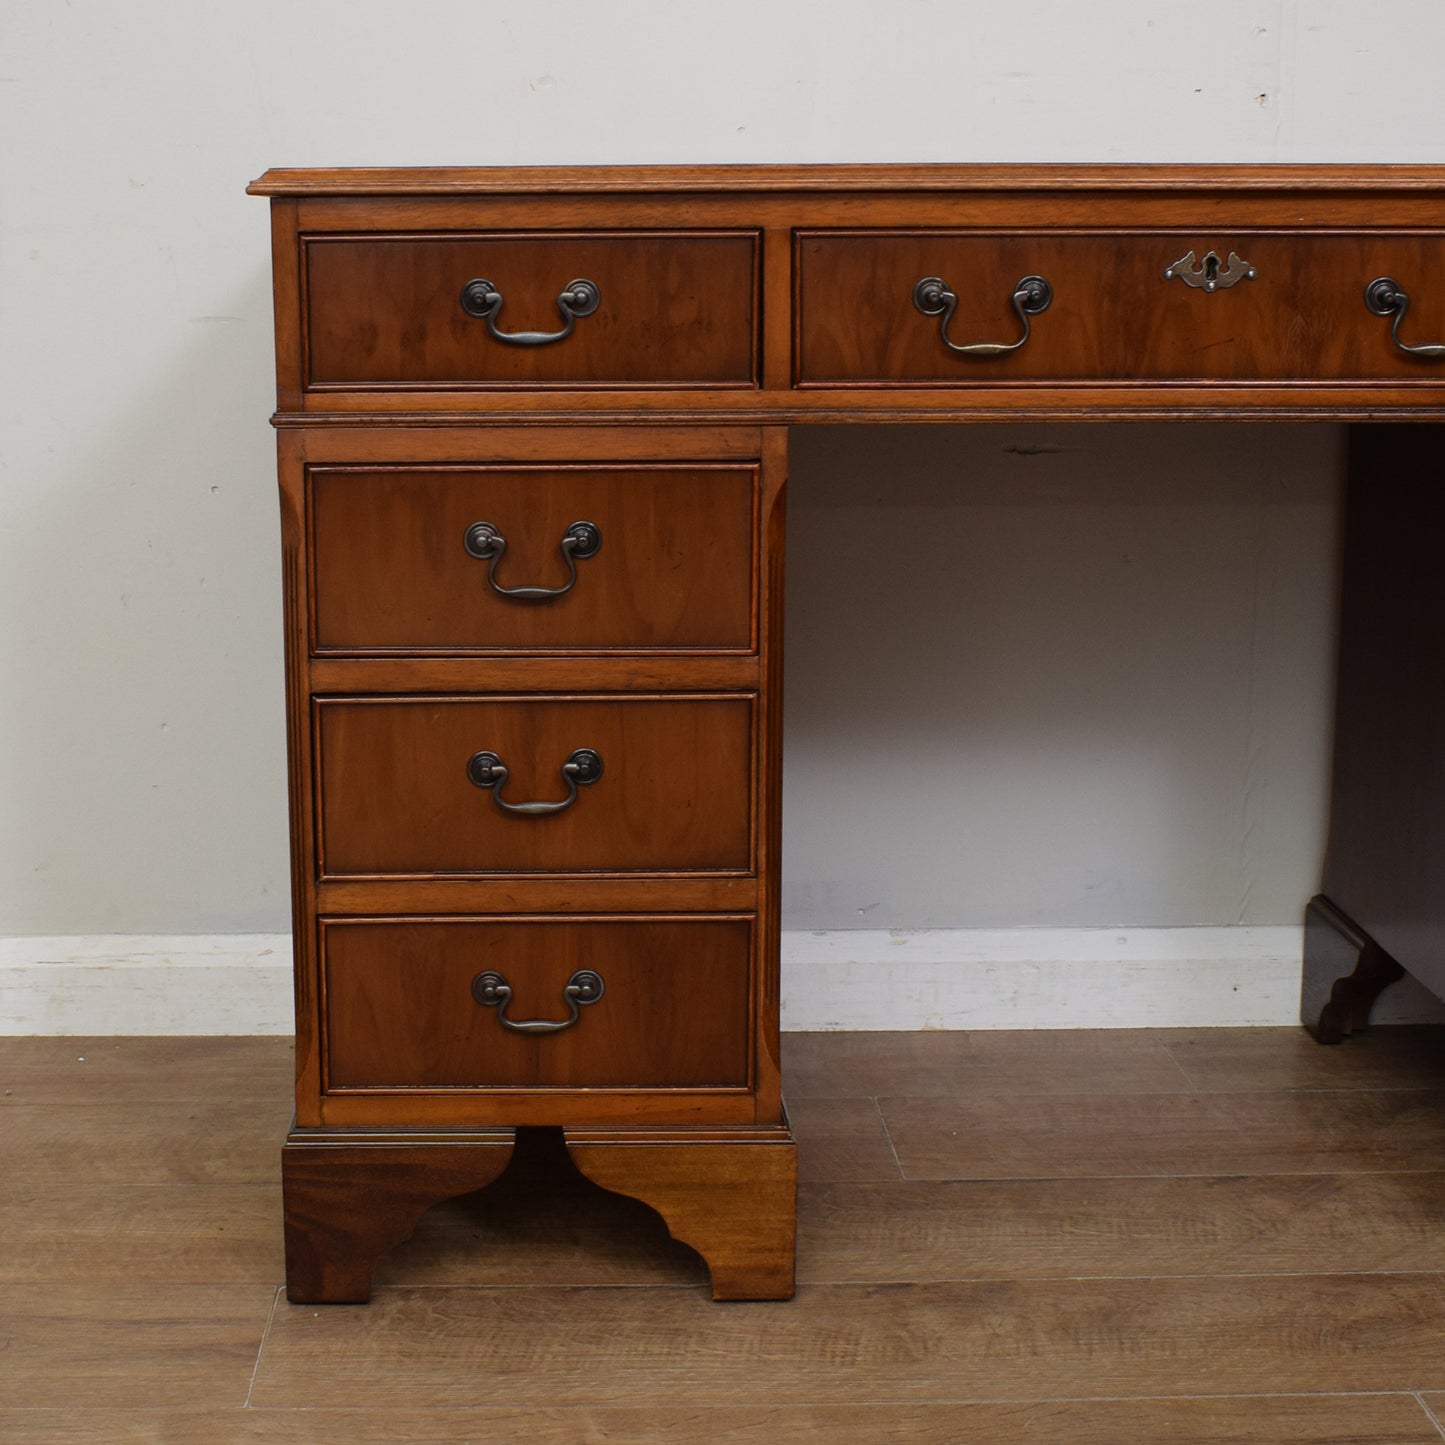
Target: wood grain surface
{"type": "Point", "coordinates": [1141, 1305]}
{"type": "Point", "coordinates": [143, 1345]}
{"type": "Point", "coordinates": [109, 1232]}
{"type": "Point", "coordinates": [400, 1012]}
{"type": "Point", "coordinates": [1111, 1134]}
{"type": "Point", "coordinates": [706, 323]}
{"type": "Point", "coordinates": [1245, 1060]}
{"type": "Point", "coordinates": [129, 1071]}
{"type": "Point", "coordinates": [1004, 1340]}
{"type": "Point", "coordinates": [695, 1187]}
{"type": "Point", "coordinates": [1062, 1228]}
{"type": "Point", "coordinates": [929, 1062]}
{"type": "Point", "coordinates": [1381, 1419]}
{"type": "Point", "coordinates": [675, 793]}
{"type": "Point", "coordinates": [1114, 315]}
{"type": "Point", "coordinates": [842, 1139]}
{"type": "Point", "coordinates": [1174, 180]}
{"type": "Point", "coordinates": [680, 309]}
{"type": "Point", "coordinates": [141, 1144]}
{"type": "Point", "coordinates": [675, 568]}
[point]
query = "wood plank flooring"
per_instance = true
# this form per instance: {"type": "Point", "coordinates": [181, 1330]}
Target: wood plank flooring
{"type": "Point", "coordinates": [1150, 1237]}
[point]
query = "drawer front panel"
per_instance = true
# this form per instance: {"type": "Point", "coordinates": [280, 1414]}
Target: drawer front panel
{"type": "Point", "coordinates": [674, 1008]}
{"type": "Point", "coordinates": [673, 310]}
{"type": "Point", "coordinates": [674, 795]}
{"type": "Point", "coordinates": [1114, 315]}
{"type": "Point", "coordinates": [673, 569]}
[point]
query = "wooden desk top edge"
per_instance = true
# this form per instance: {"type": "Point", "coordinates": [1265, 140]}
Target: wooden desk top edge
{"type": "Point", "coordinates": [510, 180]}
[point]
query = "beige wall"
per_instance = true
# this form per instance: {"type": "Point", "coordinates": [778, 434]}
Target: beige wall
{"type": "Point", "coordinates": [1063, 676]}
{"type": "Point", "coordinates": [1027, 685]}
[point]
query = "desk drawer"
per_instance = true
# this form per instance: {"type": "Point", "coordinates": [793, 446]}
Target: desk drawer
{"type": "Point", "coordinates": [1114, 316]}
{"type": "Point", "coordinates": [419, 787]}
{"type": "Point", "coordinates": [398, 563]}
{"type": "Point", "coordinates": [405, 1008]}
{"type": "Point", "coordinates": [671, 309]}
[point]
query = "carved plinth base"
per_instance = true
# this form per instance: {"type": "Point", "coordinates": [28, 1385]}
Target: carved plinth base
{"type": "Point", "coordinates": [731, 1195]}
{"type": "Point", "coordinates": [351, 1195]}
{"type": "Point", "coordinates": [1333, 940]}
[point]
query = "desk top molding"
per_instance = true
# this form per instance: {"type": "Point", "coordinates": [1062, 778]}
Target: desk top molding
{"type": "Point", "coordinates": [623, 180]}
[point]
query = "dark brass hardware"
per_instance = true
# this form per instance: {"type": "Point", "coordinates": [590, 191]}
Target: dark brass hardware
{"type": "Point", "coordinates": [582, 768]}
{"type": "Point", "coordinates": [481, 299]}
{"type": "Point", "coordinates": [1385, 298]}
{"type": "Point", "coordinates": [932, 297]}
{"type": "Point", "coordinates": [492, 990]}
{"type": "Point", "coordinates": [581, 540]}
{"type": "Point", "coordinates": [1207, 275]}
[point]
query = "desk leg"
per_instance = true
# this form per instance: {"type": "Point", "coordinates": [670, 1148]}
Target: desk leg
{"type": "Point", "coordinates": [729, 1194]}
{"type": "Point", "coordinates": [353, 1194]}
{"type": "Point", "coordinates": [1334, 941]}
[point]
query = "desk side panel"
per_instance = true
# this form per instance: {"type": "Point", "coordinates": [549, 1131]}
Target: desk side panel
{"type": "Point", "coordinates": [1386, 861]}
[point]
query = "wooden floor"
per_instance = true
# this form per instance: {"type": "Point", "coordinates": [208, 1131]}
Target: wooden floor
{"type": "Point", "coordinates": [1099, 1238]}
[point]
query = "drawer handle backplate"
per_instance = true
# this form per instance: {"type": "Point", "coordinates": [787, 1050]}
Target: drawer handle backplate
{"type": "Point", "coordinates": [482, 300]}
{"type": "Point", "coordinates": [492, 990]}
{"type": "Point", "coordinates": [1385, 298]}
{"type": "Point", "coordinates": [933, 297]}
{"type": "Point", "coordinates": [484, 542]}
{"type": "Point", "coordinates": [582, 768]}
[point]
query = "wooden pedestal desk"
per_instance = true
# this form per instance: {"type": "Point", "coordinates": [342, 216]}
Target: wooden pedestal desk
{"type": "Point", "coordinates": [533, 433]}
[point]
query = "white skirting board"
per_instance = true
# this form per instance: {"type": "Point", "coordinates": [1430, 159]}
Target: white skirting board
{"type": "Point", "coordinates": [1025, 978]}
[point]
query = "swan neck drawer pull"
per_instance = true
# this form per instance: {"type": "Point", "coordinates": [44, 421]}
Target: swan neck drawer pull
{"type": "Point", "coordinates": [582, 768]}
{"type": "Point", "coordinates": [484, 542]}
{"type": "Point", "coordinates": [482, 300]}
{"type": "Point", "coordinates": [1385, 298]}
{"type": "Point", "coordinates": [492, 990]}
{"type": "Point", "coordinates": [1209, 274]}
{"type": "Point", "coordinates": [933, 297]}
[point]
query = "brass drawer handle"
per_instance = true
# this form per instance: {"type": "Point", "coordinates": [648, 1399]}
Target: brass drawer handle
{"type": "Point", "coordinates": [1385, 298]}
{"type": "Point", "coordinates": [932, 297]}
{"type": "Point", "coordinates": [481, 299]}
{"type": "Point", "coordinates": [492, 990]}
{"type": "Point", "coordinates": [1207, 275]}
{"type": "Point", "coordinates": [484, 542]}
{"type": "Point", "coordinates": [582, 768]}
